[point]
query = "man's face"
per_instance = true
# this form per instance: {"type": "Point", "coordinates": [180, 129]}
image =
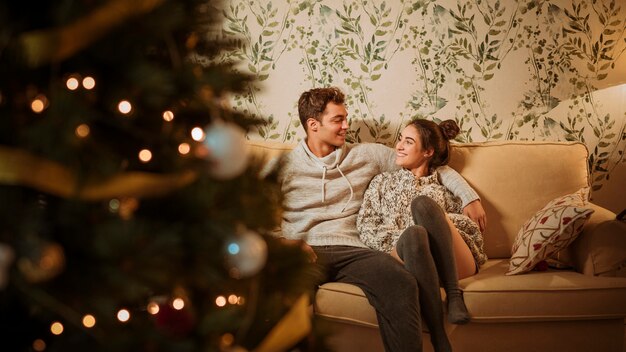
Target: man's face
{"type": "Point", "coordinates": [332, 128]}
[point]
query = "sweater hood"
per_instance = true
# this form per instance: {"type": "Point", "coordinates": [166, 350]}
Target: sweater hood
{"type": "Point", "coordinates": [330, 161]}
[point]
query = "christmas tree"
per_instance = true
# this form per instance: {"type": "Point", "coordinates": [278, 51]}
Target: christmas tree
{"type": "Point", "coordinates": [132, 216]}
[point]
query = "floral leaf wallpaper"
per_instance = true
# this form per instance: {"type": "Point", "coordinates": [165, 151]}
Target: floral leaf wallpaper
{"type": "Point", "coordinates": [552, 70]}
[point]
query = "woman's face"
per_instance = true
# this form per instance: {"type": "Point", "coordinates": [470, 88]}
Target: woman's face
{"type": "Point", "coordinates": [409, 152]}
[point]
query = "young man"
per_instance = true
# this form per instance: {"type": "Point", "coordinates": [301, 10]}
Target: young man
{"type": "Point", "coordinates": [323, 181]}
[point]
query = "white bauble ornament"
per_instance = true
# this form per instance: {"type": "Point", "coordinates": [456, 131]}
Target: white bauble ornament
{"type": "Point", "coordinates": [246, 254]}
{"type": "Point", "coordinates": [228, 151]}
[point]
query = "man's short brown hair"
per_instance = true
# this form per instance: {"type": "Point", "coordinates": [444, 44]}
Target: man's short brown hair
{"type": "Point", "coordinates": [312, 103]}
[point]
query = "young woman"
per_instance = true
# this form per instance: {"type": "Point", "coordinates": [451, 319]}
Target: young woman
{"type": "Point", "coordinates": [411, 215]}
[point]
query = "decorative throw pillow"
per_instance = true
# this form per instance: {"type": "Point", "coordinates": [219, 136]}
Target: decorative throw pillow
{"type": "Point", "coordinates": [551, 229]}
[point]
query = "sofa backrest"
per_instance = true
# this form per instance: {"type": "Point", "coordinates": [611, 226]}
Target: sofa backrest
{"type": "Point", "coordinates": [514, 179]}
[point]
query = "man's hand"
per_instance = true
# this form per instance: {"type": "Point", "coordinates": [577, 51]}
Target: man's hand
{"type": "Point", "coordinates": [474, 210]}
{"type": "Point", "coordinates": [304, 246]}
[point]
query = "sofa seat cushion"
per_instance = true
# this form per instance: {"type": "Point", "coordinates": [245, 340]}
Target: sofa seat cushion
{"type": "Point", "coordinates": [345, 303]}
{"type": "Point", "coordinates": [542, 295]}
{"type": "Point", "coordinates": [491, 296]}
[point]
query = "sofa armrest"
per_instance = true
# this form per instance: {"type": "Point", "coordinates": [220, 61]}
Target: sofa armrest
{"type": "Point", "coordinates": [600, 250]}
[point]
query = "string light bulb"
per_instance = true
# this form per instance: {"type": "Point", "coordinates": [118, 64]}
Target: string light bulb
{"type": "Point", "coordinates": [125, 107]}
{"type": "Point", "coordinates": [123, 315]}
{"type": "Point", "coordinates": [220, 301]}
{"type": "Point", "coordinates": [184, 148]}
{"type": "Point", "coordinates": [39, 345]}
{"type": "Point", "coordinates": [145, 155]}
{"type": "Point", "coordinates": [178, 303]}
{"type": "Point", "coordinates": [72, 83]}
{"type": "Point", "coordinates": [227, 339]}
{"type": "Point", "coordinates": [168, 115]}
{"type": "Point", "coordinates": [39, 104]}
{"type": "Point", "coordinates": [197, 134]}
{"type": "Point", "coordinates": [89, 82]}
{"type": "Point", "coordinates": [153, 308]}
{"type": "Point", "coordinates": [56, 328]}
{"type": "Point", "coordinates": [82, 130]}
{"type": "Point", "coordinates": [89, 321]}
{"type": "Point", "coordinates": [232, 299]}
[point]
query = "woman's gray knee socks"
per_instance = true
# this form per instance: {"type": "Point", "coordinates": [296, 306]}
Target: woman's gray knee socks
{"type": "Point", "coordinates": [427, 213]}
{"type": "Point", "coordinates": [413, 249]}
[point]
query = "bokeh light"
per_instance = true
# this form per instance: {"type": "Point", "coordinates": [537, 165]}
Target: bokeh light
{"type": "Point", "coordinates": [123, 315]}
{"type": "Point", "coordinates": [89, 83]}
{"type": "Point", "coordinates": [89, 321]}
{"type": "Point", "coordinates": [56, 328]}
{"type": "Point", "coordinates": [82, 130]}
{"type": "Point", "coordinates": [72, 83]}
{"type": "Point", "coordinates": [178, 303]}
{"type": "Point", "coordinates": [184, 148]}
{"type": "Point", "coordinates": [197, 134]}
{"type": "Point", "coordinates": [114, 205]}
{"type": "Point", "coordinates": [168, 115]}
{"type": "Point", "coordinates": [39, 104]}
{"type": "Point", "coordinates": [124, 107]}
{"type": "Point", "coordinates": [39, 345]}
{"type": "Point", "coordinates": [153, 308]}
{"type": "Point", "coordinates": [145, 155]}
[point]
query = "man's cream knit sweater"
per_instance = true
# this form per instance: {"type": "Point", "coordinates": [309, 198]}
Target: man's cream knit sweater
{"type": "Point", "coordinates": [323, 195]}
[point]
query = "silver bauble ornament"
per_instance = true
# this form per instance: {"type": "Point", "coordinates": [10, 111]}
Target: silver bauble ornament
{"type": "Point", "coordinates": [246, 254]}
{"type": "Point", "coordinates": [228, 151]}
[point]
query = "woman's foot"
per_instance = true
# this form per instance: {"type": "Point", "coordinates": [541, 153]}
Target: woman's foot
{"type": "Point", "coordinates": [457, 311]}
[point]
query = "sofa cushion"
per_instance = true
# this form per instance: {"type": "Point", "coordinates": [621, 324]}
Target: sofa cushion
{"type": "Point", "coordinates": [545, 295]}
{"type": "Point", "coordinates": [346, 303]}
{"type": "Point", "coordinates": [550, 230]}
{"type": "Point", "coordinates": [603, 251]}
{"type": "Point", "coordinates": [492, 296]}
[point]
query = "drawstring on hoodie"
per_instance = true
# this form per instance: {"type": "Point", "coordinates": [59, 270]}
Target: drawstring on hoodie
{"type": "Point", "coordinates": [323, 184]}
{"type": "Point", "coordinates": [325, 169]}
{"type": "Point", "coordinates": [349, 185]}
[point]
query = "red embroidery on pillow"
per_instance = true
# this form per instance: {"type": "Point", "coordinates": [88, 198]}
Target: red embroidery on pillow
{"type": "Point", "coordinates": [536, 246]}
{"type": "Point", "coordinates": [543, 220]}
{"type": "Point", "coordinates": [566, 220]}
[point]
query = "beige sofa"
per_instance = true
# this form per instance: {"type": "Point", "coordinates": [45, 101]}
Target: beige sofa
{"type": "Point", "coordinates": [554, 310]}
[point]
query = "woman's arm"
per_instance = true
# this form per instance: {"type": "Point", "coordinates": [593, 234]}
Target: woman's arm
{"type": "Point", "coordinates": [453, 181]}
{"type": "Point", "coordinates": [472, 207]}
{"type": "Point", "coordinates": [475, 211]}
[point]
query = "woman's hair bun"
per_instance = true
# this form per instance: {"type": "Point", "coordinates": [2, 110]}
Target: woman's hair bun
{"type": "Point", "coordinates": [449, 128]}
